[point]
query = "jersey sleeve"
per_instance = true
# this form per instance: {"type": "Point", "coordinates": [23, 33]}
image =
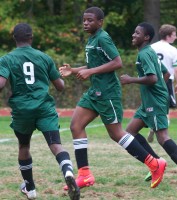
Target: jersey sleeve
{"type": "Point", "coordinates": [147, 64]}
{"type": "Point", "coordinates": [53, 72]}
{"type": "Point", "coordinates": [4, 70]}
{"type": "Point", "coordinates": [108, 47]}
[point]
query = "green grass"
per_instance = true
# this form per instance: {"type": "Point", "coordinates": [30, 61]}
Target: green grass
{"type": "Point", "coordinates": [118, 175]}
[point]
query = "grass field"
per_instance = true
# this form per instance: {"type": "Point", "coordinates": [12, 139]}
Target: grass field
{"type": "Point", "coordinates": [118, 175]}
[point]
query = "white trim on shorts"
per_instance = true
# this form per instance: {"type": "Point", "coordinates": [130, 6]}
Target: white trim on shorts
{"type": "Point", "coordinates": [155, 122]}
{"type": "Point", "coordinates": [115, 121]}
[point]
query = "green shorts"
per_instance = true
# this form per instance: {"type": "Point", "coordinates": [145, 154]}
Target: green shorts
{"type": "Point", "coordinates": [110, 111]}
{"type": "Point", "coordinates": [155, 121]}
{"type": "Point", "coordinates": [44, 119]}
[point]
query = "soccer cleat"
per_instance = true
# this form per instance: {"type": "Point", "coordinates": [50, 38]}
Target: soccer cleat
{"type": "Point", "coordinates": [157, 175]}
{"type": "Point", "coordinates": [150, 137]}
{"type": "Point", "coordinates": [148, 177]}
{"type": "Point", "coordinates": [84, 178]}
{"type": "Point", "coordinates": [30, 194]}
{"type": "Point", "coordinates": [73, 189]}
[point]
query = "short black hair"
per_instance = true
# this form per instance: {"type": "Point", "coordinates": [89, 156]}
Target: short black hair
{"type": "Point", "coordinates": [97, 11]}
{"type": "Point", "coordinates": [148, 29]}
{"type": "Point", "coordinates": [22, 32]}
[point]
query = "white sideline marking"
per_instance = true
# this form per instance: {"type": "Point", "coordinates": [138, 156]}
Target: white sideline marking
{"type": "Point", "coordinates": [5, 140]}
{"type": "Point", "coordinates": [61, 130]}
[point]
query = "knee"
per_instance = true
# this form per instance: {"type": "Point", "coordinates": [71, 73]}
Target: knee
{"type": "Point", "coordinates": [75, 128]}
{"type": "Point", "coordinates": [24, 152]}
{"type": "Point", "coordinates": [162, 136]}
{"type": "Point", "coordinates": [112, 137]}
{"type": "Point", "coordinates": [116, 137]}
{"type": "Point", "coordinates": [161, 140]}
{"type": "Point", "coordinates": [78, 130]}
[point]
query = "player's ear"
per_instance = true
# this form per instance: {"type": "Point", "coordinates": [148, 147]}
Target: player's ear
{"type": "Point", "coordinates": [146, 37]}
{"type": "Point", "coordinates": [14, 37]}
{"type": "Point", "coordinates": [100, 22]}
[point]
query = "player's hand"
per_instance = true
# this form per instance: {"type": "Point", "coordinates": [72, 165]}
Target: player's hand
{"type": "Point", "coordinates": [83, 74]}
{"type": "Point", "coordinates": [125, 79]}
{"type": "Point", "coordinates": [65, 70]}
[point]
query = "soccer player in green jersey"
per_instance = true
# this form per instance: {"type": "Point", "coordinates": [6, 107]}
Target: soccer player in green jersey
{"type": "Point", "coordinates": [154, 108]}
{"type": "Point", "coordinates": [168, 56]}
{"type": "Point", "coordinates": [30, 72]}
{"type": "Point", "coordinates": [102, 98]}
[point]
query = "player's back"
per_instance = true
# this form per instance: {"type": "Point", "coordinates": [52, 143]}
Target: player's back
{"type": "Point", "coordinates": [166, 53]}
{"type": "Point", "coordinates": [30, 72]}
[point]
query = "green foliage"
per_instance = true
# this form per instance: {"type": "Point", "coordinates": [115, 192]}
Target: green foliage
{"type": "Point", "coordinates": [57, 27]}
{"type": "Point", "coordinates": [168, 12]}
{"type": "Point", "coordinates": [130, 93]}
{"type": "Point", "coordinates": [113, 17]}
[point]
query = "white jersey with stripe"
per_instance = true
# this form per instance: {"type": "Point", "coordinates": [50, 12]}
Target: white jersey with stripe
{"type": "Point", "coordinates": [167, 54]}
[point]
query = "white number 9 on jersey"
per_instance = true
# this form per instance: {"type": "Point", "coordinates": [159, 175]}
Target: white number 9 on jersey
{"type": "Point", "coordinates": [28, 69]}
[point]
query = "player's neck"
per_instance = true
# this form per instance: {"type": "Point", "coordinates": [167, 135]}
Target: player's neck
{"type": "Point", "coordinates": [164, 41]}
{"type": "Point", "coordinates": [22, 44]}
{"type": "Point", "coordinates": [143, 45]}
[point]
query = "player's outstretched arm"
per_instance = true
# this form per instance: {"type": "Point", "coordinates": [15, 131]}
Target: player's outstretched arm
{"type": "Point", "coordinates": [59, 84]}
{"type": "Point", "coordinates": [146, 80]}
{"type": "Point", "coordinates": [66, 70]}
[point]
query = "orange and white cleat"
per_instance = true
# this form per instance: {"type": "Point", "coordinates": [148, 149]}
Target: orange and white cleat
{"type": "Point", "coordinates": [157, 175]}
{"type": "Point", "coordinates": [84, 178]}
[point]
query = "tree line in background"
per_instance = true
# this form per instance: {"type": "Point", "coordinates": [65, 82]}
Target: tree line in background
{"type": "Point", "coordinates": [57, 27]}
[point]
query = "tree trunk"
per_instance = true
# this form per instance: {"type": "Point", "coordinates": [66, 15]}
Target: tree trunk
{"type": "Point", "coordinates": [152, 15]}
{"type": "Point", "coordinates": [50, 4]}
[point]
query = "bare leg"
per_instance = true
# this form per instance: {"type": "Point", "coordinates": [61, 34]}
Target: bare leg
{"type": "Point", "coordinates": [150, 137]}
{"type": "Point", "coordinates": [81, 118]}
{"type": "Point", "coordinates": [134, 126]}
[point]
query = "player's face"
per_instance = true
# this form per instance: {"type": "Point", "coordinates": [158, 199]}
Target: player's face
{"type": "Point", "coordinates": [172, 37]}
{"type": "Point", "coordinates": [138, 36]}
{"type": "Point", "coordinates": [90, 23]}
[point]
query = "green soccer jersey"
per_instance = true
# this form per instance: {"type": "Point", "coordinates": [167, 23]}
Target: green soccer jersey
{"type": "Point", "coordinates": [99, 50]}
{"type": "Point", "coordinates": [30, 72]}
{"type": "Point", "coordinates": [154, 97]}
